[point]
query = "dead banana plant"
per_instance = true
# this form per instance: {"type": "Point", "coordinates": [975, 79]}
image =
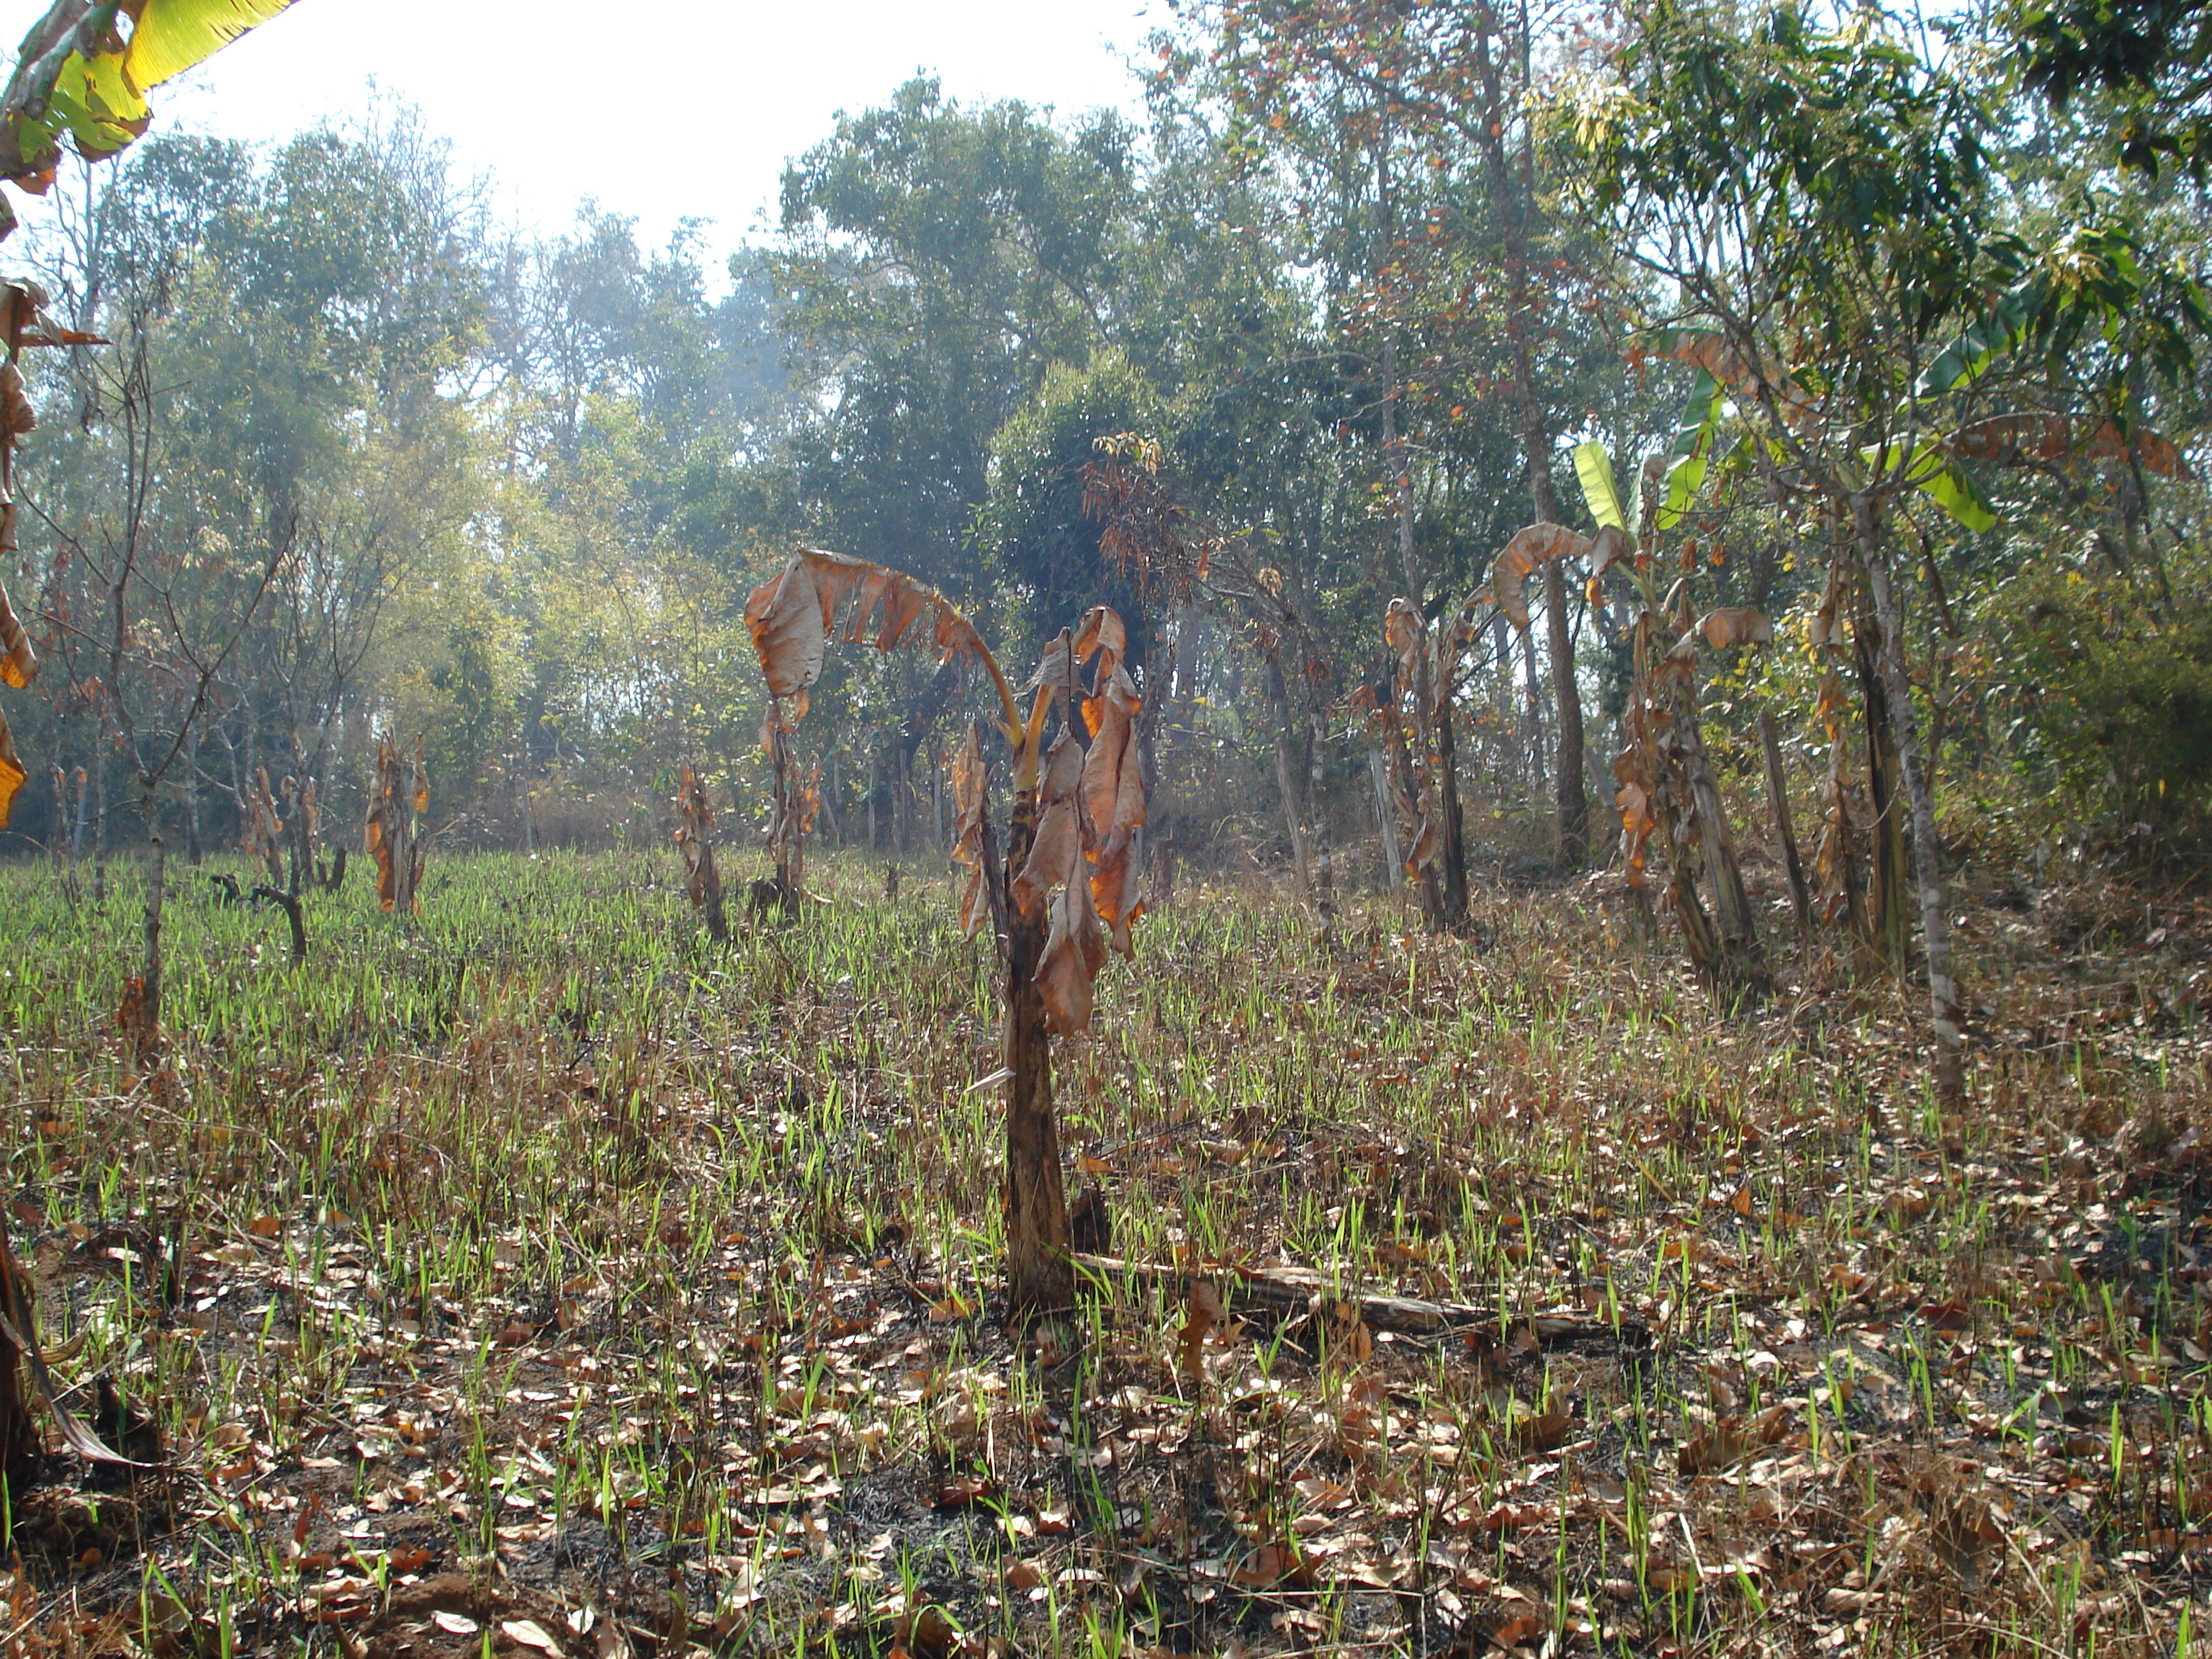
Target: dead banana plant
{"type": "Point", "coordinates": [695, 838]}
{"type": "Point", "coordinates": [398, 798]}
{"type": "Point", "coordinates": [1063, 894]}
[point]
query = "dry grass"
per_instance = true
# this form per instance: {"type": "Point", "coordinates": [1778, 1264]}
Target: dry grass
{"type": "Point", "coordinates": [545, 1272]}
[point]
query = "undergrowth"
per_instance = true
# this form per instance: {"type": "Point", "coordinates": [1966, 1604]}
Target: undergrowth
{"type": "Point", "coordinates": [535, 1274]}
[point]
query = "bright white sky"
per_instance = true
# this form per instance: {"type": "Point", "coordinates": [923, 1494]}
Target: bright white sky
{"type": "Point", "coordinates": [680, 107]}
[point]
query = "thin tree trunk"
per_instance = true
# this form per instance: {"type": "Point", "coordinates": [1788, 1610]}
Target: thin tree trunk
{"type": "Point", "coordinates": [1513, 208]}
{"type": "Point", "coordinates": [875, 782]}
{"type": "Point", "coordinates": [1738, 932]}
{"type": "Point", "coordinates": [1943, 1002]}
{"type": "Point", "coordinates": [1324, 867]}
{"type": "Point", "coordinates": [1040, 1277]}
{"type": "Point", "coordinates": [1386, 820]}
{"type": "Point", "coordinates": [1886, 925]}
{"type": "Point", "coordinates": [1777, 797]}
{"type": "Point", "coordinates": [1286, 786]}
{"type": "Point", "coordinates": [193, 795]}
{"type": "Point", "coordinates": [1572, 799]}
{"type": "Point", "coordinates": [149, 975]}
{"type": "Point", "coordinates": [1532, 718]}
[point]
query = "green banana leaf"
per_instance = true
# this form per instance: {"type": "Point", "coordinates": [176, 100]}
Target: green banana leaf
{"type": "Point", "coordinates": [1692, 452]}
{"type": "Point", "coordinates": [1594, 467]}
{"type": "Point", "coordinates": [173, 35]}
{"type": "Point", "coordinates": [1937, 477]}
{"type": "Point", "coordinates": [1967, 358]}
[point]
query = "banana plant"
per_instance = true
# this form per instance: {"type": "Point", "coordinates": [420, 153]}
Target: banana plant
{"type": "Point", "coordinates": [1666, 784]}
{"type": "Point", "coordinates": [1066, 892]}
{"type": "Point", "coordinates": [79, 74]}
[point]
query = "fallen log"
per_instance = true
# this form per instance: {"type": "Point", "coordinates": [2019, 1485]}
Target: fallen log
{"type": "Point", "coordinates": [1300, 1290]}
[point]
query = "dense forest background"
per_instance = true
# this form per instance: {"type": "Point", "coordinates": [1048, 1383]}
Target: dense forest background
{"type": "Point", "coordinates": [359, 461]}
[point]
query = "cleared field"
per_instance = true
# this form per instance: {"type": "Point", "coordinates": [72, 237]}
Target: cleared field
{"type": "Point", "coordinates": [534, 1274]}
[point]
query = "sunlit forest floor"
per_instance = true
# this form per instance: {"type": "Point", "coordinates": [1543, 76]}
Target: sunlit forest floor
{"type": "Point", "coordinates": [536, 1275]}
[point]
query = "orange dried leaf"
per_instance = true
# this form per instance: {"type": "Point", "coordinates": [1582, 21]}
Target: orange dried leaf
{"type": "Point", "coordinates": [1531, 549]}
{"type": "Point", "coordinates": [1074, 952]}
{"type": "Point", "coordinates": [791, 616]}
{"type": "Point", "coordinates": [969, 779]}
{"type": "Point", "coordinates": [19, 663]}
{"type": "Point", "coordinates": [1735, 624]}
{"type": "Point", "coordinates": [11, 773]}
{"type": "Point", "coordinates": [1056, 850]}
{"type": "Point", "coordinates": [1203, 1312]}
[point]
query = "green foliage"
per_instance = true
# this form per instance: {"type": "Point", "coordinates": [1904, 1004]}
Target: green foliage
{"type": "Point", "coordinates": [2114, 690]}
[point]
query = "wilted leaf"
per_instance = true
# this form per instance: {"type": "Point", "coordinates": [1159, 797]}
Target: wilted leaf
{"type": "Point", "coordinates": [1542, 1433]}
{"type": "Point", "coordinates": [19, 662]}
{"type": "Point", "coordinates": [1735, 624]}
{"type": "Point", "coordinates": [1113, 801]}
{"type": "Point", "coordinates": [1720, 358]}
{"type": "Point", "coordinates": [1203, 1311]}
{"type": "Point", "coordinates": [1519, 1631]}
{"type": "Point", "coordinates": [1057, 846]}
{"type": "Point", "coordinates": [1529, 551]}
{"type": "Point", "coordinates": [401, 790]}
{"type": "Point", "coordinates": [1608, 548]}
{"type": "Point", "coordinates": [1272, 1564]}
{"type": "Point", "coordinates": [11, 772]}
{"type": "Point", "coordinates": [790, 616]}
{"type": "Point", "coordinates": [1074, 952]}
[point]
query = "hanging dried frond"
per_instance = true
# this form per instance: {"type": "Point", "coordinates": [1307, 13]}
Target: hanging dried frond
{"type": "Point", "coordinates": [2031, 439]}
{"type": "Point", "coordinates": [971, 851]}
{"type": "Point", "coordinates": [1075, 948]}
{"type": "Point", "coordinates": [1113, 775]}
{"type": "Point", "coordinates": [791, 615]}
{"type": "Point", "coordinates": [1611, 546]}
{"type": "Point", "coordinates": [1090, 806]}
{"type": "Point", "coordinates": [1722, 359]}
{"type": "Point", "coordinates": [1531, 549]}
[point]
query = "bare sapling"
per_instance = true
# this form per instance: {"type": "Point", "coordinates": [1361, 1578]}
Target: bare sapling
{"type": "Point", "coordinates": [1064, 896]}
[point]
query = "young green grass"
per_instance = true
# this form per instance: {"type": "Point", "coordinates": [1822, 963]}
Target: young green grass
{"type": "Point", "coordinates": [538, 1237]}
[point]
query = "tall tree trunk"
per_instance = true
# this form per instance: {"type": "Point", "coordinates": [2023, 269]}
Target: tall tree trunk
{"type": "Point", "coordinates": [1778, 800]}
{"type": "Point", "coordinates": [1943, 1002]}
{"type": "Point", "coordinates": [1434, 702]}
{"type": "Point", "coordinates": [1573, 800]}
{"type": "Point", "coordinates": [1514, 209]}
{"type": "Point", "coordinates": [1532, 718]}
{"type": "Point", "coordinates": [1040, 1276]}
